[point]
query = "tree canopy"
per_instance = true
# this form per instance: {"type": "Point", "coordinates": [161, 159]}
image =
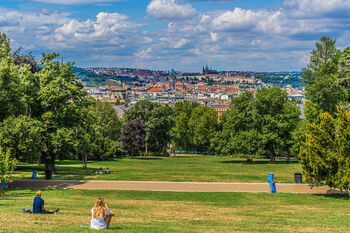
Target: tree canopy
{"type": "Point", "coordinates": [321, 75]}
{"type": "Point", "coordinates": [259, 125]}
{"type": "Point", "coordinates": [325, 154]}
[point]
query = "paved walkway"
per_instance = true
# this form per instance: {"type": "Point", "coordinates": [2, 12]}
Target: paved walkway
{"type": "Point", "coordinates": [169, 186]}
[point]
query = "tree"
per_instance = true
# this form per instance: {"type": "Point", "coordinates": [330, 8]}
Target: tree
{"type": "Point", "coordinates": [325, 154]}
{"type": "Point", "coordinates": [261, 125]}
{"type": "Point", "coordinates": [54, 97]}
{"type": "Point", "coordinates": [158, 121]}
{"type": "Point", "coordinates": [181, 133]}
{"type": "Point", "coordinates": [238, 134]}
{"type": "Point", "coordinates": [344, 67]}
{"type": "Point", "coordinates": [133, 136]}
{"type": "Point", "coordinates": [10, 87]}
{"type": "Point", "coordinates": [158, 128]}
{"type": "Point", "coordinates": [203, 124]}
{"type": "Point", "coordinates": [23, 136]}
{"type": "Point", "coordinates": [25, 59]}
{"type": "Point", "coordinates": [7, 165]}
{"type": "Point", "coordinates": [321, 76]}
{"type": "Point", "coordinates": [100, 133]}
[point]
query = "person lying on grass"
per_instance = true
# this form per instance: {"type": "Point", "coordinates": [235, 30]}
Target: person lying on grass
{"type": "Point", "coordinates": [101, 215]}
{"type": "Point", "coordinates": [39, 207]}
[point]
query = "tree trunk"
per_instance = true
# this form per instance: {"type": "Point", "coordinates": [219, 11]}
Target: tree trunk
{"type": "Point", "coordinates": [146, 147]}
{"type": "Point", "coordinates": [272, 154]}
{"type": "Point", "coordinates": [50, 165]}
{"type": "Point", "coordinates": [85, 161]}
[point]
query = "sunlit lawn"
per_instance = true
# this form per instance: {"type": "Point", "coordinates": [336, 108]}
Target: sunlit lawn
{"type": "Point", "coordinates": [203, 169]}
{"type": "Point", "coordinates": [138, 211]}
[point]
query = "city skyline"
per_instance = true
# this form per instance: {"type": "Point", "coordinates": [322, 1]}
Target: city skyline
{"type": "Point", "coordinates": [184, 35]}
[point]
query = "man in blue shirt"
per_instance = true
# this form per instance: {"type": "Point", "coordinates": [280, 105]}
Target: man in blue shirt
{"type": "Point", "coordinates": [39, 207]}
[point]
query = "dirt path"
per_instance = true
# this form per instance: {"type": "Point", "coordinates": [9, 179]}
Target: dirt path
{"type": "Point", "coordinates": [168, 186]}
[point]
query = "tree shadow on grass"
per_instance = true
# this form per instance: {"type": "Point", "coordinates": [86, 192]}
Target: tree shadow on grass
{"type": "Point", "coordinates": [335, 196]}
{"type": "Point", "coordinates": [258, 162]}
{"type": "Point", "coordinates": [63, 172]}
{"type": "Point", "coordinates": [147, 158]}
{"type": "Point", "coordinates": [16, 195]}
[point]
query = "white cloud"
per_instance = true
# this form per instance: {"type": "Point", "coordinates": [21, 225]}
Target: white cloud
{"type": "Point", "coordinates": [242, 39]}
{"type": "Point", "coordinates": [181, 43]}
{"type": "Point", "coordinates": [318, 8]}
{"type": "Point", "coordinates": [144, 53]}
{"type": "Point", "coordinates": [107, 27]}
{"type": "Point", "coordinates": [214, 36]}
{"type": "Point", "coordinates": [246, 20]}
{"type": "Point", "coordinates": [170, 10]}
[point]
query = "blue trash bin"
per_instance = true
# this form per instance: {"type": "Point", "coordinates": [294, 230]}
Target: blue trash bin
{"type": "Point", "coordinates": [34, 175]}
{"type": "Point", "coordinates": [270, 179]}
{"type": "Point", "coordinates": [273, 188]}
{"type": "Point", "coordinates": [3, 184]}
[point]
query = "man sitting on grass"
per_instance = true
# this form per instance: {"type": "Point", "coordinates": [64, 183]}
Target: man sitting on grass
{"type": "Point", "coordinates": [39, 207]}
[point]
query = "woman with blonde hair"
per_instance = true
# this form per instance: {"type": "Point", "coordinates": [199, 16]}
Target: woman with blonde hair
{"type": "Point", "coordinates": [101, 215]}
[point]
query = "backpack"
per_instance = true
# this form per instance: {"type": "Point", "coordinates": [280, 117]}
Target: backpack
{"type": "Point", "coordinates": [27, 211]}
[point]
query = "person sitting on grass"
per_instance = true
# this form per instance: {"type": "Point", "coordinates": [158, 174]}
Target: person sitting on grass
{"type": "Point", "coordinates": [101, 215]}
{"type": "Point", "coordinates": [39, 207]}
{"type": "Point", "coordinates": [108, 171]}
{"type": "Point", "coordinates": [100, 171]}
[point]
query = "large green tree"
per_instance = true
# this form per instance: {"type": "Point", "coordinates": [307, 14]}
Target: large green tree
{"type": "Point", "coordinates": [158, 121]}
{"type": "Point", "coordinates": [22, 136]}
{"type": "Point", "coordinates": [10, 86]}
{"type": "Point", "coordinates": [325, 154]}
{"type": "Point", "coordinates": [181, 133]}
{"type": "Point", "coordinates": [259, 125]}
{"type": "Point", "coordinates": [98, 138]}
{"type": "Point", "coordinates": [323, 92]}
{"type": "Point", "coordinates": [203, 126]}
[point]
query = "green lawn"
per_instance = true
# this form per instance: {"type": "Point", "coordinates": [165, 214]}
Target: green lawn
{"type": "Point", "coordinates": [203, 169]}
{"type": "Point", "coordinates": [138, 211]}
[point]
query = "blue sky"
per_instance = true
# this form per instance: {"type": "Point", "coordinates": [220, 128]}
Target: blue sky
{"type": "Point", "coordinates": [254, 35]}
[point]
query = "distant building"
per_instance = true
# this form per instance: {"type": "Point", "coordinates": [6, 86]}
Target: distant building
{"type": "Point", "coordinates": [220, 108]}
{"type": "Point", "coordinates": [119, 96]}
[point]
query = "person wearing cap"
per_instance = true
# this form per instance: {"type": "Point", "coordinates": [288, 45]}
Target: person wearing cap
{"type": "Point", "coordinates": [39, 207]}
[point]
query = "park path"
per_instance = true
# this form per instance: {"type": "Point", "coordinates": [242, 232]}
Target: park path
{"type": "Point", "coordinates": [169, 186]}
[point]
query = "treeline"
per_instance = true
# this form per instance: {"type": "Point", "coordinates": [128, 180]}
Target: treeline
{"type": "Point", "coordinates": [45, 116]}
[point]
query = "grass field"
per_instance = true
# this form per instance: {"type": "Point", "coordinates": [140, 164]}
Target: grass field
{"type": "Point", "coordinates": [138, 211]}
{"type": "Point", "coordinates": [203, 169]}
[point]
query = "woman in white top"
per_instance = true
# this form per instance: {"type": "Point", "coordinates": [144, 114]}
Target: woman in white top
{"type": "Point", "coordinates": [101, 215]}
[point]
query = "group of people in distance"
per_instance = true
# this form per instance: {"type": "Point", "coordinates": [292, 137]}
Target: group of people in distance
{"type": "Point", "coordinates": [101, 172]}
{"type": "Point", "coordinates": [101, 214]}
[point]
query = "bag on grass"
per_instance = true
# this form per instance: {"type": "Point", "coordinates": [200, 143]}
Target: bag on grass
{"type": "Point", "coordinates": [27, 211]}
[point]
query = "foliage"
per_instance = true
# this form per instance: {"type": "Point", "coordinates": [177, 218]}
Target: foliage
{"type": "Point", "coordinates": [261, 125]}
{"type": "Point", "coordinates": [100, 133]}
{"type": "Point", "coordinates": [344, 67]}
{"type": "Point", "coordinates": [158, 121]}
{"type": "Point", "coordinates": [25, 59]}
{"type": "Point", "coordinates": [7, 165]}
{"type": "Point", "coordinates": [158, 128]}
{"type": "Point", "coordinates": [90, 79]}
{"type": "Point", "coordinates": [133, 136]}
{"type": "Point", "coordinates": [321, 76]}
{"type": "Point", "coordinates": [10, 86]}
{"type": "Point", "coordinates": [195, 126]}
{"type": "Point", "coordinates": [203, 126]}
{"type": "Point", "coordinates": [23, 136]}
{"type": "Point", "coordinates": [325, 154]}
{"type": "Point", "coordinates": [298, 136]}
